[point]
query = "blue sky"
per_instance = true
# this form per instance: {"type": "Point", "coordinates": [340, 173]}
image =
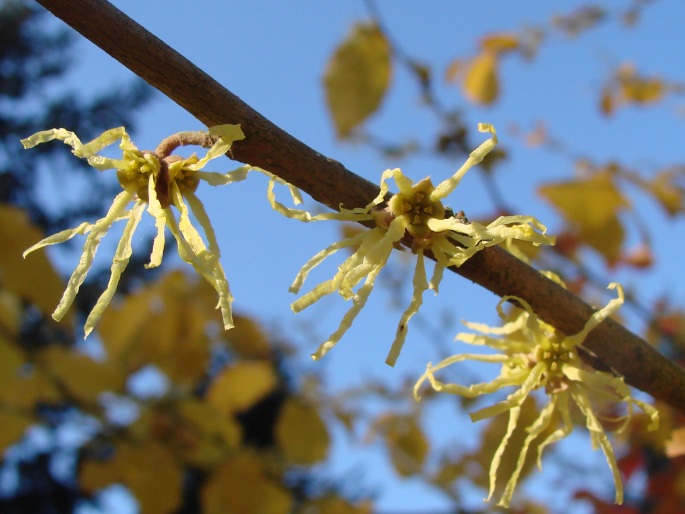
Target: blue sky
{"type": "Point", "coordinates": [273, 55]}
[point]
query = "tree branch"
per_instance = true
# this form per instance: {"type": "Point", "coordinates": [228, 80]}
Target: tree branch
{"type": "Point", "coordinates": [328, 182]}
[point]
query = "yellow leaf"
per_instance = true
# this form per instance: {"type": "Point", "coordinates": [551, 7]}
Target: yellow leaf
{"type": "Point", "coordinates": [13, 424]}
{"type": "Point", "coordinates": [357, 77]}
{"type": "Point", "coordinates": [121, 324]}
{"type": "Point", "coordinates": [194, 430]}
{"type": "Point", "coordinates": [242, 385]}
{"type": "Point", "coordinates": [28, 387]}
{"type": "Point", "coordinates": [33, 279]}
{"type": "Point", "coordinates": [22, 385]}
{"type": "Point", "coordinates": [481, 84]}
{"type": "Point", "coordinates": [10, 315]}
{"type": "Point", "coordinates": [148, 470]}
{"type": "Point", "coordinates": [248, 339]}
{"type": "Point", "coordinates": [335, 505]}
{"type": "Point", "coordinates": [244, 485]}
{"type": "Point", "coordinates": [163, 324]}
{"type": "Point", "coordinates": [406, 443]}
{"type": "Point", "coordinates": [207, 436]}
{"type": "Point", "coordinates": [636, 88]}
{"type": "Point", "coordinates": [500, 43]}
{"type": "Point", "coordinates": [591, 206]}
{"type": "Point", "coordinates": [607, 239]}
{"type": "Point", "coordinates": [449, 470]}
{"type": "Point", "coordinates": [300, 433]}
{"type": "Point", "coordinates": [11, 361]}
{"type": "Point", "coordinates": [668, 193]}
{"type": "Point", "coordinates": [80, 375]}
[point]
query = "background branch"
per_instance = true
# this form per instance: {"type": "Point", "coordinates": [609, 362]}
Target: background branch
{"type": "Point", "coordinates": [328, 182]}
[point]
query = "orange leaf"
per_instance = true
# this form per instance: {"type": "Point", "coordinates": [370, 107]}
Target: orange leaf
{"type": "Point", "coordinates": [675, 446]}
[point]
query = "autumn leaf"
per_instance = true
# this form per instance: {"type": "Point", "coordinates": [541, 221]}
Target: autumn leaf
{"type": "Point", "coordinates": [195, 431]}
{"type": "Point", "coordinates": [335, 505]}
{"type": "Point", "coordinates": [300, 433]}
{"type": "Point", "coordinates": [357, 77]}
{"type": "Point", "coordinates": [80, 375]}
{"type": "Point", "coordinates": [241, 385]}
{"type": "Point", "coordinates": [581, 19]}
{"type": "Point", "coordinates": [481, 83]}
{"type": "Point", "coordinates": [500, 43]}
{"type": "Point", "coordinates": [675, 446]}
{"type": "Point", "coordinates": [148, 470]}
{"type": "Point", "coordinates": [163, 324]}
{"type": "Point", "coordinates": [406, 443]}
{"type": "Point", "coordinates": [22, 384]}
{"type": "Point", "coordinates": [634, 88]}
{"type": "Point", "coordinates": [627, 86]}
{"type": "Point", "coordinates": [32, 279]}
{"type": "Point", "coordinates": [244, 484]}
{"type": "Point", "coordinates": [248, 339]}
{"type": "Point", "coordinates": [667, 192]}
{"type": "Point", "coordinates": [591, 206]}
{"type": "Point", "coordinates": [14, 423]}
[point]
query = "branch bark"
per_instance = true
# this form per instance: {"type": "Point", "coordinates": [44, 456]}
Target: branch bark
{"type": "Point", "coordinates": [330, 183]}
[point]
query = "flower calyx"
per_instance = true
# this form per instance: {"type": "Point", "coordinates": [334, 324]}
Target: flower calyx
{"type": "Point", "coordinates": [417, 206]}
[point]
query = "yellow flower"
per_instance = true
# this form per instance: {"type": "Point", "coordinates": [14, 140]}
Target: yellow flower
{"type": "Point", "coordinates": [415, 211]}
{"type": "Point", "coordinates": [535, 356]}
{"type": "Point", "coordinates": [158, 181]}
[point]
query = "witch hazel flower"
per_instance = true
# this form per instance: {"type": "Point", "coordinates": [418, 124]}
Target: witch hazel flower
{"type": "Point", "coordinates": [415, 214]}
{"type": "Point", "coordinates": [159, 183]}
{"type": "Point", "coordinates": [533, 355]}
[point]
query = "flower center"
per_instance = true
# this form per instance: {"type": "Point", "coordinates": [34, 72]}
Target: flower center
{"type": "Point", "coordinates": [415, 205]}
{"type": "Point", "coordinates": [554, 352]}
{"type": "Point", "coordinates": [140, 165]}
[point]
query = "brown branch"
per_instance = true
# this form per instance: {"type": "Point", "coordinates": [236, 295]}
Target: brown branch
{"type": "Point", "coordinates": [328, 182]}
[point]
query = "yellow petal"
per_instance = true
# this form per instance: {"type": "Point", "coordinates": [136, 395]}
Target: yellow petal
{"type": "Point", "coordinates": [119, 263]}
{"type": "Point", "coordinates": [420, 285]}
{"type": "Point", "coordinates": [443, 189]}
{"type": "Point", "coordinates": [99, 229]}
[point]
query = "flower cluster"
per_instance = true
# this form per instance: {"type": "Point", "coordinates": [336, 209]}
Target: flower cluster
{"type": "Point", "coordinates": [156, 181]}
{"type": "Point", "coordinates": [415, 214]}
{"type": "Point", "coordinates": [534, 356]}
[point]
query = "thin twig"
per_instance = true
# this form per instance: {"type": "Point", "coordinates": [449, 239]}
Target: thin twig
{"type": "Point", "coordinates": [328, 182]}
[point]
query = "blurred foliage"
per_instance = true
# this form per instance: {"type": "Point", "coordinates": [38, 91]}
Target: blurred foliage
{"type": "Point", "coordinates": [357, 77]}
{"type": "Point", "coordinates": [600, 212]}
{"type": "Point", "coordinates": [234, 426]}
